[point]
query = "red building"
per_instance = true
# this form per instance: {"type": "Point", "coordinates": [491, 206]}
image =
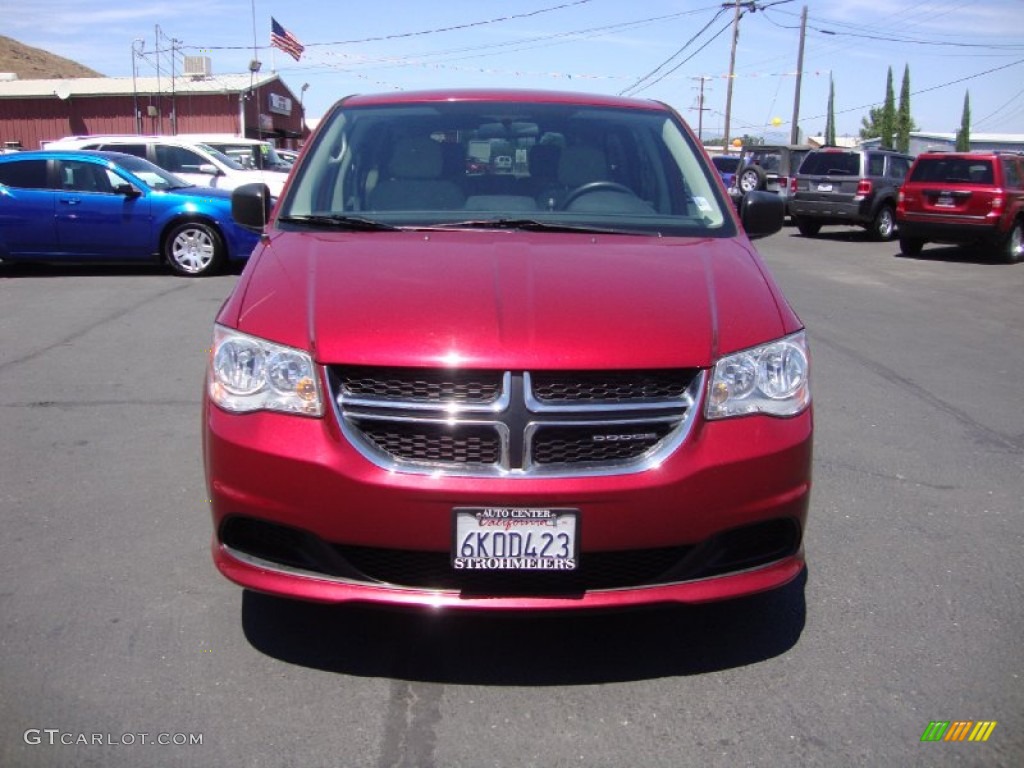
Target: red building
{"type": "Point", "coordinates": [252, 105]}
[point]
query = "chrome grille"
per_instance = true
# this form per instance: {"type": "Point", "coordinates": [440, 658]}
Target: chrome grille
{"type": "Point", "coordinates": [515, 423]}
{"type": "Point", "coordinates": [421, 385]}
{"type": "Point", "coordinates": [607, 386]}
{"type": "Point", "coordinates": [572, 444]}
{"type": "Point", "coordinates": [431, 442]}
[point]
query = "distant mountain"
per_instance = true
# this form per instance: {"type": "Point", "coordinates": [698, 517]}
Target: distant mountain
{"type": "Point", "coordinates": [30, 63]}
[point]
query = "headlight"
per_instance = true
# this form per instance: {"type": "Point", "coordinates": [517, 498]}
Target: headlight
{"type": "Point", "coordinates": [770, 379]}
{"type": "Point", "coordinates": [250, 374]}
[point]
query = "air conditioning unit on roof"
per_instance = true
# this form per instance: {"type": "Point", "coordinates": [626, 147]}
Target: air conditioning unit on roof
{"type": "Point", "coordinates": [198, 66]}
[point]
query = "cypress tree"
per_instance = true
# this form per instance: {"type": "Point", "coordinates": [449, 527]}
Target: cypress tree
{"type": "Point", "coordinates": [888, 126]}
{"type": "Point", "coordinates": [904, 123]}
{"type": "Point", "coordinates": [830, 120]}
{"type": "Point", "coordinates": [963, 136]}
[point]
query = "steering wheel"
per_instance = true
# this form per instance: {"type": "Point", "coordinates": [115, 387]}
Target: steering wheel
{"type": "Point", "coordinates": [596, 186]}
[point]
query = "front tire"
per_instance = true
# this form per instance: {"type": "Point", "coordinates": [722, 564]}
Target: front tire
{"type": "Point", "coordinates": [1013, 246]}
{"type": "Point", "coordinates": [883, 227]}
{"type": "Point", "coordinates": [194, 249]}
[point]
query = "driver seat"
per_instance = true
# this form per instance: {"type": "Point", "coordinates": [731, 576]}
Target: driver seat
{"type": "Point", "coordinates": [577, 165]}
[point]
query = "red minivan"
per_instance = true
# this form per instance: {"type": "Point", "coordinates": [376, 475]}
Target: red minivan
{"type": "Point", "coordinates": [564, 381]}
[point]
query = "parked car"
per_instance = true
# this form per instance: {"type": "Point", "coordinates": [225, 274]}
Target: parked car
{"type": "Point", "coordinates": [574, 386]}
{"type": "Point", "coordinates": [78, 205]}
{"type": "Point", "coordinates": [726, 165]}
{"type": "Point", "coordinates": [190, 160]}
{"type": "Point", "coordinates": [857, 187]}
{"type": "Point", "coordinates": [974, 198]}
{"type": "Point", "coordinates": [249, 153]}
{"type": "Point", "coordinates": [769, 167]}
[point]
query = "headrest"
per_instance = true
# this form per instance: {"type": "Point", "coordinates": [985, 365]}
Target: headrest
{"type": "Point", "coordinates": [416, 158]}
{"type": "Point", "coordinates": [544, 160]}
{"type": "Point", "coordinates": [581, 165]}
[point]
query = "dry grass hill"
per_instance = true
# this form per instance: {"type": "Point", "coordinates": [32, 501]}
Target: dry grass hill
{"type": "Point", "coordinates": [30, 63]}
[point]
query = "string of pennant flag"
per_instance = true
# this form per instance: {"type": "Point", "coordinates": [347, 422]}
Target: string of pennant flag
{"type": "Point", "coordinates": [362, 61]}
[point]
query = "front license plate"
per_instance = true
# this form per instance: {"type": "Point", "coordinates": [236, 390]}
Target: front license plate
{"type": "Point", "coordinates": [824, 187]}
{"type": "Point", "coordinates": [515, 539]}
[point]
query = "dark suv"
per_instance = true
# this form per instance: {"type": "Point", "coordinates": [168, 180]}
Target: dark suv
{"type": "Point", "coordinates": [964, 199]}
{"type": "Point", "coordinates": [849, 186]}
{"type": "Point", "coordinates": [769, 167]}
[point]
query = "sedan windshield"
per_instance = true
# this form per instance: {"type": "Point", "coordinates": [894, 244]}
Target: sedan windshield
{"type": "Point", "coordinates": [152, 175]}
{"type": "Point", "coordinates": [461, 164]}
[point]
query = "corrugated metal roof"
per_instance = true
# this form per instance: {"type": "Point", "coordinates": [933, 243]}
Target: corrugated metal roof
{"type": "Point", "coordinates": [121, 86]}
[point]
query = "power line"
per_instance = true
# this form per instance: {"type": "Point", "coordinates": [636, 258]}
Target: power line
{"type": "Point", "coordinates": [932, 88]}
{"type": "Point", "coordinates": [452, 28]}
{"type": "Point", "coordinates": [654, 71]}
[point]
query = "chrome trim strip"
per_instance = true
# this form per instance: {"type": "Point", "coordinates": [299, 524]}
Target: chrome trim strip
{"type": "Point", "coordinates": [303, 573]}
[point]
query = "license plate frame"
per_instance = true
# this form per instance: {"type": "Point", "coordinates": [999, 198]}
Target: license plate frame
{"type": "Point", "coordinates": [945, 200]}
{"type": "Point", "coordinates": [515, 539]}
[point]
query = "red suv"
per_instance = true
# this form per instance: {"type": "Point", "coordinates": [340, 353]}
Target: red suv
{"type": "Point", "coordinates": [563, 382]}
{"type": "Point", "coordinates": [964, 198]}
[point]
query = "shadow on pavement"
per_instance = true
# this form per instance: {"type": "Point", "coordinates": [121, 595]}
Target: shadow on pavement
{"type": "Point", "coordinates": [953, 254]}
{"type": "Point", "coordinates": [23, 269]}
{"type": "Point", "coordinates": [527, 649]}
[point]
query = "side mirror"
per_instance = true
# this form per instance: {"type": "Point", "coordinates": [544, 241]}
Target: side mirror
{"type": "Point", "coordinates": [762, 214]}
{"type": "Point", "coordinates": [209, 168]}
{"type": "Point", "coordinates": [128, 190]}
{"type": "Point", "coordinates": [251, 205]}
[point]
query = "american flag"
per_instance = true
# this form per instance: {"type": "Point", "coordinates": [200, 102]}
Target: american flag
{"type": "Point", "coordinates": [285, 40]}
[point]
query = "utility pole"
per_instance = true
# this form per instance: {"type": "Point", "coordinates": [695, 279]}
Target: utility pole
{"type": "Point", "coordinates": [794, 130]}
{"type": "Point", "coordinates": [159, 92]}
{"type": "Point", "coordinates": [751, 6]}
{"type": "Point", "coordinates": [701, 109]}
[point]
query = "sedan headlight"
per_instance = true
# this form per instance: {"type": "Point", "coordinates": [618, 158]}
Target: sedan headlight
{"type": "Point", "coordinates": [770, 379]}
{"type": "Point", "coordinates": [250, 374]}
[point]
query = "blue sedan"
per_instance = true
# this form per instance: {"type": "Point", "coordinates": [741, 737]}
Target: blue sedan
{"type": "Point", "coordinates": [79, 205]}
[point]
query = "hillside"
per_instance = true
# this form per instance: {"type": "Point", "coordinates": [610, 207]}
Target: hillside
{"type": "Point", "coordinates": [36, 64]}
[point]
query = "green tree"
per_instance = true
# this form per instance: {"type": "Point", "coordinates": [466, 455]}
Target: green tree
{"type": "Point", "coordinates": [904, 122]}
{"type": "Point", "coordinates": [870, 126]}
{"type": "Point", "coordinates": [830, 119]}
{"type": "Point", "coordinates": [888, 126]}
{"type": "Point", "coordinates": [963, 136]}
{"type": "Point", "coordinates": [881, 121]}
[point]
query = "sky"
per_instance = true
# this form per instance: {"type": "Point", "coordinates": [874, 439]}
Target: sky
{"type": "Point", "coordinates": [669, 50]}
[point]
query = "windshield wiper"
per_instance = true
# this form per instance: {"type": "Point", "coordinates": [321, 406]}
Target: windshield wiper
{"type": "Point", "coordinates": [529, 225]}
{"type": "Point", "coordinates": [337, 221]}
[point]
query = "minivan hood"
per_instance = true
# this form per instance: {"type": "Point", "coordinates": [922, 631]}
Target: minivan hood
{"type": "Point", "coordinates": [509, 300]}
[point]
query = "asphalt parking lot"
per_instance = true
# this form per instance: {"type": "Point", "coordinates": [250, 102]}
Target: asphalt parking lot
{"type": "Point", "coordinates": [119, 635]}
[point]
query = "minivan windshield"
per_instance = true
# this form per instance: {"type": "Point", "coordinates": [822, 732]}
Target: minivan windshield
{"type": "Point", "coordinates": [522, 165]}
